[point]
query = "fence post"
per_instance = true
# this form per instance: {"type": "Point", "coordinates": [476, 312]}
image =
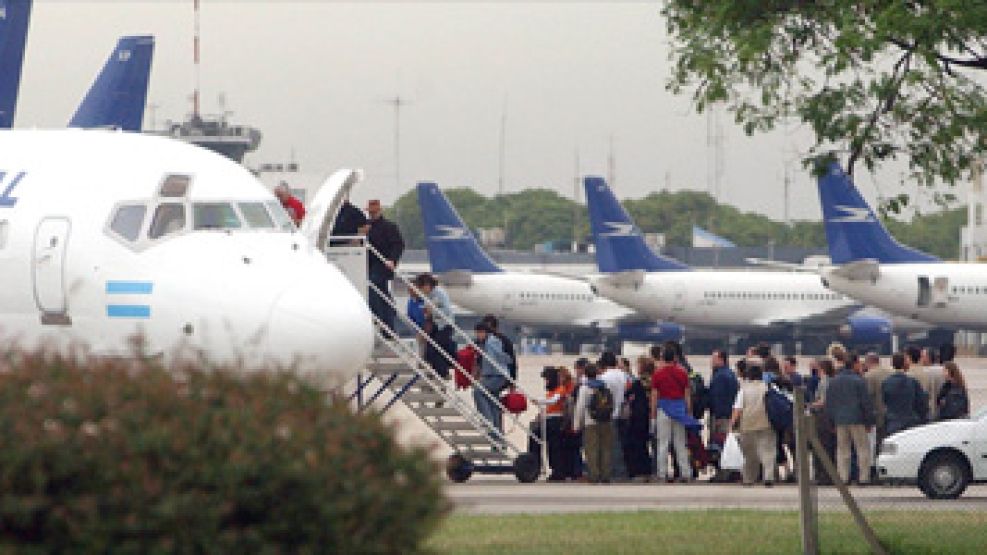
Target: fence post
{"type": "Point", "coordinates": [808, 502]}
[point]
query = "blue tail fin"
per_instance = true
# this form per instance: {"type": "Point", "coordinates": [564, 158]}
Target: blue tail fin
{"type": "Point", "coordinates": [852, 229]}
{"type": "Point", "coordinates": [451, 245]}
{"type": "Point", "coordinates": [619, 243]}
{"type": "Point", "coordinates": [119, 94]}
{"type": "Point", "coordinates": [14, 18]}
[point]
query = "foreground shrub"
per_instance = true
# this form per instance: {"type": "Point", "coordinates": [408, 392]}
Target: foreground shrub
{"type": "Point", "coordinates": [128, 456]}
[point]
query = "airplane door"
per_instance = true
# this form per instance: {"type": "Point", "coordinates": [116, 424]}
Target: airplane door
{"type": "Point", "coordinates": [940, 292]}
{"type": "Point", "coordinates": [50, 244]}
{"type": "Point", "coordinates": [678, 296]}
{"type": "Point", "coordinates": [924, 292]}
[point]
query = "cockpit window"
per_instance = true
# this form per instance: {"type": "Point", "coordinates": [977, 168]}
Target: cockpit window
{"type": "Point", "coordinates": [168, 218]}
{"type": "Point", "coordinates": [215, 215]}
{"type": "Point", "coordinates": [281, 219]}
{"type": "Point", "coordinates": [256, 215]}
{"type": "Point", "coordinates": [128, 220]}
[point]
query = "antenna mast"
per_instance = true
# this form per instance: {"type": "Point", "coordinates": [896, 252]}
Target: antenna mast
{"type": "Point", "coordinates": [195, 54]}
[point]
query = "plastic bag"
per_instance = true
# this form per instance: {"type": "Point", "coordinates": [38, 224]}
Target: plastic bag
{"type": "Point", "coordinates": [731, 458]}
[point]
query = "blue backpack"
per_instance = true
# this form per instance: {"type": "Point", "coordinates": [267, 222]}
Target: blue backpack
{"type": "Point", "coordinates": [781, 413]}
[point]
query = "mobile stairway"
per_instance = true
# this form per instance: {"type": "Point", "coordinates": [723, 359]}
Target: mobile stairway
{"type": "Point", "coordinates": [398, 371]}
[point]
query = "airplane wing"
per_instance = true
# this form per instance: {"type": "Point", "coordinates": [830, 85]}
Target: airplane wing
{"type": "Point", "coordinates": [825, 318]}
{"type": "Point", "coordinates": [860, 270]}
{"type": "Point", "coordinates": [325, 205]}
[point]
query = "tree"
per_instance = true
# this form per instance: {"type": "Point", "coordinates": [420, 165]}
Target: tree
{"type": "Point", "coordinates": [878, 80]}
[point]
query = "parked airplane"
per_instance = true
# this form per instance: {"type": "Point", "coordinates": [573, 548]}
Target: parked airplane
{"type": "Point", "coordinates": [106, 234]}
{"type": "Point", "coordinates": [15, 15]}
{"type": "Point", "coordinates": [119, 94]}
{"type": "Point", "coordinates": [764, 304]}
{"type": "Point", "coordinates": [870, 265]}
{"type": "Point", "coordinates": [475, 282]}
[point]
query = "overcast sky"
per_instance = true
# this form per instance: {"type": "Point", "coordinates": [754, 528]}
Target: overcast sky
{"type": "Point", "coordinates": [315, 77]}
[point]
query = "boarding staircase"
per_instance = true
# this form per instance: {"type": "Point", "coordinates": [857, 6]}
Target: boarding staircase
{"type": "Point", "coordinates": [398, 371]}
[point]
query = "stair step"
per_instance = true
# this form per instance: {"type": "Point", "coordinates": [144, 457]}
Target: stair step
{"type": "Point", "coordinates": [468, 440]}
{"type": "Point", "coordinates": [422, 397]}
{"type": "Point", "coordinates": [396, 366]}
{"type": "Point", "coordinates": [436, 411]}
{"type": "Point", "coordinates": [453, 426]}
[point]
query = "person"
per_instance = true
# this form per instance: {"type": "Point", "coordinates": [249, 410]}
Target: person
{"type": "Point", "coordinates": [825, 429]}
{"type": "Point", "coordinates": [930, 377]}
{"type": "Point", "coordinates": [350, 222]}
{"type": "Point", "coordinates": [439, 319]}
{"type": "Point", "coordinates": [849, 405]}
{"type": "Point", "coordinates": [491, 321]}
{"type": "Point", "coordinates": [636, 456]}
{"type": "Point", "coordinates": [771, 369]}
{"type": "Point", "coordinates": [568, 444]}
{"type": "Point", "coordinates": [491, 379]}
{"type": "Point", "coordinates": [616, 381]}
{"type": "Point", "coordinates": [723, 386]}
{"type": "Point", "coordinates": [293, 206]}
{"type": "Point", "coordinates": [785, 381]}
{"type": "Point", "coordinates": [554, 403]}
{"type": "Point", "coordinates": [757, 438]}
{"type": "Point", "coordinates": [572, 441]}
{"type": "Point", "coordinates": [671, 411]}
{"type": "Point", "coordinates": [415, 308]}
{"type": "Point", "coordinates": [790, 378]}
{"type": "Point", "coordinates": [904, 400]}
{"type": "Point", "coordinates": [874, 375]}
{"type": "Point", "coordinates": [597, 436]}
{"type": "Point", "coordinates": [812, 382]}
{"type": "Point", "coordinates": [385, 237]}
{"type": "Point", "coordinates": [953, 401]}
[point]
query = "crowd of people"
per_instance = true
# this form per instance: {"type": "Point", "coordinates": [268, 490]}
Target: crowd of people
{"type": "Point", "coordinates": [658, 421]}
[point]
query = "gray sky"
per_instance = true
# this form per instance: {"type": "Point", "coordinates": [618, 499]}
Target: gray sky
{"type": "Point", "coordinates": [315, 75]}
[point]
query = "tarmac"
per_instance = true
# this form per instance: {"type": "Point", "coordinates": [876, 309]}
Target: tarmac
{"type": "Point", "coordinates": [486, 494]}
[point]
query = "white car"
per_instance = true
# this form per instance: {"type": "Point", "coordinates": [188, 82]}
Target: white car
{"type": "Point", "coordinates": [941, 458]}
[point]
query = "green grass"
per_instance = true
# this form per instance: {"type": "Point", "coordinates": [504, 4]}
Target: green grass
{"type": "Point", "coordinates": [707, 532]}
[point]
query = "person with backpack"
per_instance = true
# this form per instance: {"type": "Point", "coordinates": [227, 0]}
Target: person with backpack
{"type": "Point", "coordinates": [953, 400]}
{"type": "Point", "coordinates": [757, 438]}
{"type": "Point", "coordinates": [671, 410]}
{"type": "Point", "coordinates": [593, 416]}
{"type": "Point", "coordinates": [491, 321]}
{"type": "Point", "coordinates": [616, 380]}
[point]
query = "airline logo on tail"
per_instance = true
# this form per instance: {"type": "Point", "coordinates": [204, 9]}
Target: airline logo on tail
{"type": "Point", "coordinates": [450, 233]}
{"type": "Point", "coordinates": [619, 229]}
{"type": "Point", "coordinates": [7, 185]}
{"type": "Point", "coordinates": [124, 55]}
{"type": "Point", "coordinates": [853, 215]}
{"type": "Point", "coordinates": [3, 12]}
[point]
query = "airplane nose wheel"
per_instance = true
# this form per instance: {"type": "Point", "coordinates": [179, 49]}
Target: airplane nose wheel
{"type": "Point", "coordinates": [458, 468]}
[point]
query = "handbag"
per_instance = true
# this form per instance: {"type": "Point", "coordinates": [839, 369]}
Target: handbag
{"type": "Point", "coordinates": [731, 458]}
{"type": "Point", "coordinates": [514, 402]}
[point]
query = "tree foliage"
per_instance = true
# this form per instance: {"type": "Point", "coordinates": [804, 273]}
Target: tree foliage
{"type": "Point", "coordinates": [878, 80]}
{"type": "Point", "coordinates": [539, 216]}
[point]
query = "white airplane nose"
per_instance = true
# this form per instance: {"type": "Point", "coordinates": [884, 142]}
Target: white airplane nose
{"type": "Point", "coordinates": [323, 328]}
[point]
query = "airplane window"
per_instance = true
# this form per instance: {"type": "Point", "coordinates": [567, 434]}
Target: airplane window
{"type": "Point", "coordinates": [256, 215]}
{"type": "Point", "coordinates": [175, 186]}
{"type": "Point", "coordinates": [128, 220]}
{"type": "Point", "coordinates": [168, 218]}
{"type": "Point", "coordinates": [281, 219]}
{"type": "Point", "coordinates": [214, 215]}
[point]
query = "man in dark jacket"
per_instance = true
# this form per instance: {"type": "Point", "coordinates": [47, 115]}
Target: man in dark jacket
{"type": "Point", "coordinates": [385, 237]}
{"type": "Point", "coordinates": [723, 386]}
{"type": "Point", "coordinates": [905, 403]}
{"type": "Point", "coordinates": [849, 405]}
{"type": "Point", "coordinates": [491, 321]}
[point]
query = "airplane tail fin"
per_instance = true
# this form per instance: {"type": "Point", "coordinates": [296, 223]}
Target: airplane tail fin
{"type": "Point", "coordinates": [451, 245]}
{"type": "Point", "coordinates": [15, 15]}
{"type": "Point", "coordinates": [853, 231]}
{"type": "Point", "coordinates": [620, 245]}
{"type": "Point", "coordinates": [118, 96]}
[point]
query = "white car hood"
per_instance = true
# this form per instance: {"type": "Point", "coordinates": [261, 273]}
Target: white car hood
{"type": "Point", "coordinates": [938, 432]}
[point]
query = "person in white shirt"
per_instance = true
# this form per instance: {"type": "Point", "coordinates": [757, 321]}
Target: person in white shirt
{"type": "Point", "coordinates": [616, 381]}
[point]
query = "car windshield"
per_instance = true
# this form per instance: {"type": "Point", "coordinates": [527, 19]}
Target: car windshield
{"type": "Point", "coordinates": [215, 215]}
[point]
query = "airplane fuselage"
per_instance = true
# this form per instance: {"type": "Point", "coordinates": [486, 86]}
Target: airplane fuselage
{"type": "Point", "coordinates": [951, 295]}
{"type": "Point", "coordinates": [738, 301]}
{"type": "Point", "coordinates": [536, 299]}
{"type": "Point", "coordinates": [107, 235]}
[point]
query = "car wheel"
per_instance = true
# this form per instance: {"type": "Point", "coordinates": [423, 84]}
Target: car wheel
{"type": "Point", "coordinates": [943, 475]}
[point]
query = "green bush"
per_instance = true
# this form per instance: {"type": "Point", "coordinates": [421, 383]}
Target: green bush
{"type": "Point", "coordinates": [128, 456]}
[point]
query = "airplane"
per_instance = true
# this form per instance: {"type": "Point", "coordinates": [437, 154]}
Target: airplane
{"type": "Point", "coordinates": [762, 304]}
{"type": "Point", "coordinates": [15, 15]}
{"type": "Point", "coordinates": [871, 266]}
{"type": "Point", "coordinates": [105, 235]}
{"type": "Point", "coordinates": [475, 282]}
{"type": "Point", "coordinates": [119, 94]}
